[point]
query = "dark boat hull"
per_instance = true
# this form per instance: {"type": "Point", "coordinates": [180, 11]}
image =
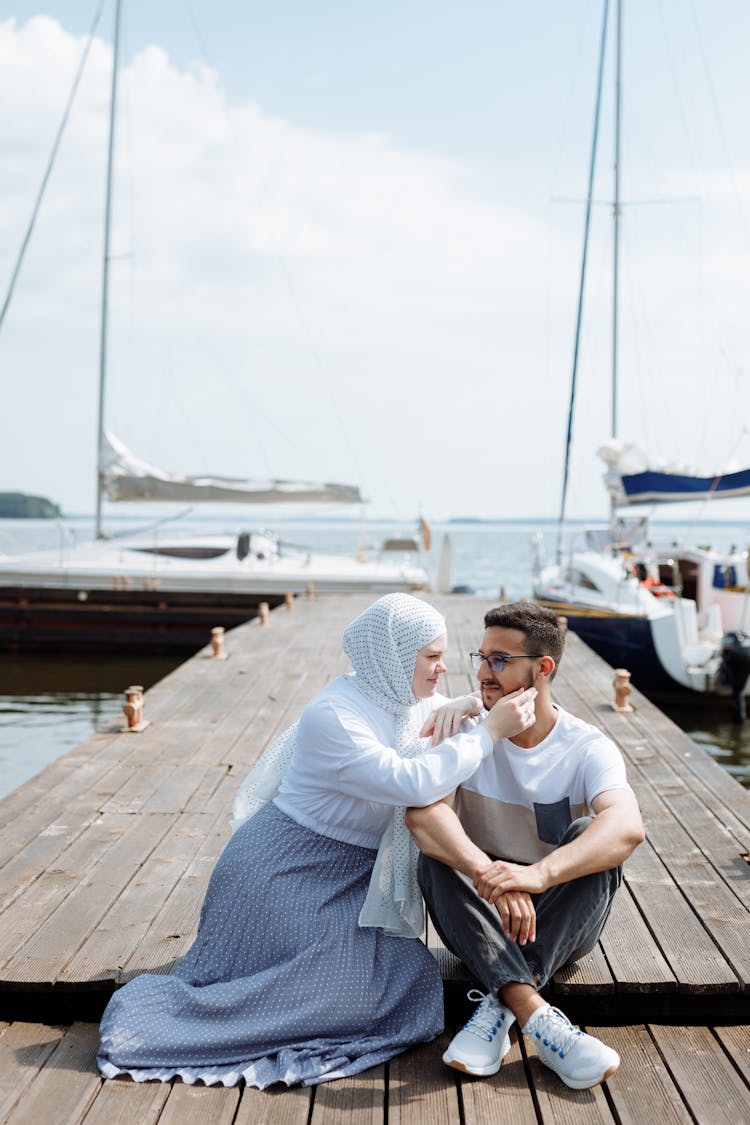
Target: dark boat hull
{"type": "Point", "coordinates": [623, 641]}
{"type": "Point", "coordinates": [118, 620]}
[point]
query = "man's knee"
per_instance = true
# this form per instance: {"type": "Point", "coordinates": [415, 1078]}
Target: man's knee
{"type": "Point", "coordinates": [575, 828]}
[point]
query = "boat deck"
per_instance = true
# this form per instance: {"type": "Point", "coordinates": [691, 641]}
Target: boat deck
{"type": "Point", "coordinates": [105, 855]}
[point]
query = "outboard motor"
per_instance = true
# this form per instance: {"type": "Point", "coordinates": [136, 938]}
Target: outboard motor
{"type": "Point", "coordinates": [735, 669]}
{"type": "Point", "coordinates": [243, 545]}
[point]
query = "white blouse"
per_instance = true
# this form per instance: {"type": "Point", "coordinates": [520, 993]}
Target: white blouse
{"type": "Point", "coordinates": [345, 777]}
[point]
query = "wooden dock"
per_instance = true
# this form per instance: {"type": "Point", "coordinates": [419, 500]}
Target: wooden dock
{"type": "Point", "coordinates": [104, 858]}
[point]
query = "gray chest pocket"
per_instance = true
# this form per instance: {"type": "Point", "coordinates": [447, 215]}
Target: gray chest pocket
{"type": "Point", "coordinates": [552, 820]}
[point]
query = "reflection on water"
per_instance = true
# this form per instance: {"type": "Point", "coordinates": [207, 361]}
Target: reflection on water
{"type": "Point", "coordinates": [48, 706]}
{"type": "Point", "coordinates": [710, 726]}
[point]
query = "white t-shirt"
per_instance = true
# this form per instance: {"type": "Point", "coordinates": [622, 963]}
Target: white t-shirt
{"type": "Point", "coordinates": [519, 802]}
{"type": "Point", "coordinates": [345, 778]}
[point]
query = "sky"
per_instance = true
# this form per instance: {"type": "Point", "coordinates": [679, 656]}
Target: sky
{"type": "Point", "coordinates": [346, 245]}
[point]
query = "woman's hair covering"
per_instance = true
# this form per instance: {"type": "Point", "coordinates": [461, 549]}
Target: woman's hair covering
{"type": "Point", "coordinates": [382, 645]}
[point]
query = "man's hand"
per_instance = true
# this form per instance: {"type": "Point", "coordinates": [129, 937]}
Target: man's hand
{"type": "Point", "coordinates": [446, 721]}
{"type": "Point", "coordinates": [502, 878]}
{"type": "Point", "coordinates": [517, 915]}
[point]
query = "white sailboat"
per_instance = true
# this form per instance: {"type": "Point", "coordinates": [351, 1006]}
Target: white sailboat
{"type": "Point", "coordinates": [166, 590]}
{"type": "Point", "coordinates": [674, 620]}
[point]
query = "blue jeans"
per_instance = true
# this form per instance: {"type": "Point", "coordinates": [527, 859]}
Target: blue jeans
{"type": "Point", "coordinates": [569, 919]}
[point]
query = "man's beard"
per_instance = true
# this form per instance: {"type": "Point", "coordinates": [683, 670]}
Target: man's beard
{"type": "Point", "coordinates": [530, 682]}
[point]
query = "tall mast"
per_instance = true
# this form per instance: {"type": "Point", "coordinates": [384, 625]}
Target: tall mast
{"type": "Point", "coordinates": [616, 249]}
{"type": "Point", "coordinates": [105, 275]}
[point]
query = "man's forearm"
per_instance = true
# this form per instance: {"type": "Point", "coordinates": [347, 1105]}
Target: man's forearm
{"type": "Point", "coordinates": [605, 844]}
{"type": "Point", "coordinates": [438, 833]}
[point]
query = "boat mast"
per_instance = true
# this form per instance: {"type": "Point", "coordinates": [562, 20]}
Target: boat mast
{"type": "Point", "coordinates": [584, 255]}
{"type": "Point", "coordinates": [105, 276]}
{"type": "Point", "coordinates": [616, 255]}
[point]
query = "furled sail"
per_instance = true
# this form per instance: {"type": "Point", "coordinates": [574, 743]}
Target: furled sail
{"type": "Point", "coordinates": [127, 477]}
{"type": "Point", "coordinates": [633, 479]}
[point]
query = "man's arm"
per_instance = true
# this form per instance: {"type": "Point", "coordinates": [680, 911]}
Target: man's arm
{"type": "Point", "coordinates": [615, 832]}
{"type": "Point", "coordinates": [439, 834]}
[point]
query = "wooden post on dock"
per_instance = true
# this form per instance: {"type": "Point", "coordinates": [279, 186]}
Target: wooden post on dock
{"type": "Point", "coordinates": [217, 643]}
{"type": "Point", "coordinates": [263, 613]}
{"type": "Point", "coordinates": [133, 710]}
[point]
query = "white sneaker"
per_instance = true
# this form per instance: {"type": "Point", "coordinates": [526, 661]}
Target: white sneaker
{"type": "Point", "coordinates": [579, 1059]}
{"type": "Point", "coordinates": [483, 1042]}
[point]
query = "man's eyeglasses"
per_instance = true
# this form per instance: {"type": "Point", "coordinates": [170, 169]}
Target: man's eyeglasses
{"type": "Point", "coordinates": [495, 662]}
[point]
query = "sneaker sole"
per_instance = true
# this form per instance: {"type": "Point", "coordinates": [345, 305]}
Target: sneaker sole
{"type": "Point", "coordinates": [478, 1071]}
{"type": "Point", "coordinates": [587, 1084]}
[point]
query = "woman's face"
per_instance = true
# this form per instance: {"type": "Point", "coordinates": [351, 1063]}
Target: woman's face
{"type": "Point", "coordinates": [429, 667]}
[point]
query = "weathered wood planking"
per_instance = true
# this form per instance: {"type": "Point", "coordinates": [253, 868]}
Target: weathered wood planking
{"type": "Point", "coordinates": [675, 1075]}
{"type": "Point", "coordinates": [104, 857]}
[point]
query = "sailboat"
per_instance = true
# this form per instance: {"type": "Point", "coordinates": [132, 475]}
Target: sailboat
{"type": "Point", "coordinates": [676, 619]}
{"type": "Point", "coordinates": [166, 590]}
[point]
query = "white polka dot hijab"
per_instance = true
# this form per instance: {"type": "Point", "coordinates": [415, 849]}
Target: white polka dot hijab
{"type": "Point", "coordinates": [382, 645]}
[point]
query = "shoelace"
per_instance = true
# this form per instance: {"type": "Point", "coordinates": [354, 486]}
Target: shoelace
{"type": "Point", "coordinates": [485, 1020]}
{"type": "Point", "coordinates": [555, 1031]}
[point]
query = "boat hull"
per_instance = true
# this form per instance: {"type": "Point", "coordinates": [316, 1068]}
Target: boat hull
{"type": "Point", "coordinates": [624, 641]}
{"type": "Point", "coordinates": [119, 620]}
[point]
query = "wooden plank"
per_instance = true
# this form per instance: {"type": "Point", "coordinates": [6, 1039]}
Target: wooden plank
{"type": "Point", "coordinates": [351, 1101]}
{"type": "Point", "coordinates": [122, 1102]}
{"type": "Point", "coordinates": [195, 1105]}
{"type": "Point", "coordinates": [736, 1043]}
{"type": "Point", "coordinates": [43, 957]}
{"type": "Point", "coordinates": [642, 1089]}
{"type": "Point", "coordinates": [172, 930]}
{"type": "Point", "coordinates": [126, 924]}
{"type": "Point", "coordinates": [589, 976]}
{"type": "Point", "coordinates": [66, 1085]}
{"type": "Point", "coordinates": [24, 1049]}
{"type": "Point", "coordinates": [634, 959]}
{"type": "Point", "coordinates": [275, 1106]}
{"type": "Point", "coordinates": [706, 1078]}
{"type": "Point", "coordinates": [506, 1097]}
{"type": "Point", "coordinates": [29, 911]}
{"type": "Point", "coordinates": [421, 1088]}
{"type": "Point", "coordinates": [690, 952]}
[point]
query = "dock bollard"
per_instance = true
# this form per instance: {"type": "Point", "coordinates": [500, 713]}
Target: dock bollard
{"type": "Point", "coordinates": [263, 612]}
{"type": "Point", "coordinates": [309, 590]}
{"type": "Point", "coordinates": [621, 684]}
{"type": "Point", "coordinates": [133, 710]}
{"type": "Point", "coordinates": [289, 601]}
{"type": "Point", "coordinates": [217, 643]}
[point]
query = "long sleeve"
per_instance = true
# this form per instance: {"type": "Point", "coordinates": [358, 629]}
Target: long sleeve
{"type": "Point", "coordinates": [359, 765]}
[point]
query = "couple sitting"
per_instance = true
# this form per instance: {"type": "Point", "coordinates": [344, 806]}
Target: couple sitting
{"type": "Point", "coordinates": [305, 966]}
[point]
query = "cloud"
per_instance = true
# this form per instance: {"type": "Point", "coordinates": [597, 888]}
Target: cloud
{"type": "Point", "coordinates": [289, 300]}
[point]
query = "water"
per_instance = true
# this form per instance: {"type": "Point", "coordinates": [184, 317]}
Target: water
{"type": "Point", "coordinates": [48, 706]}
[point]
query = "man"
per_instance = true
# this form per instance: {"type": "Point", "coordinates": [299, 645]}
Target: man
{"type": "Point", "coordinates": [515, 920]}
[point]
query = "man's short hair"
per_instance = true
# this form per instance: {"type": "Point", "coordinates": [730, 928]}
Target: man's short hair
{"type": "Point", "coordinates": [541, 628]}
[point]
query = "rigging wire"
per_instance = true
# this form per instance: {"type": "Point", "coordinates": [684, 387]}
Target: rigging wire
{"type": "Point", "coordinates": [584, 255]}
{"type": "Point", "coordinates": [50, 164]}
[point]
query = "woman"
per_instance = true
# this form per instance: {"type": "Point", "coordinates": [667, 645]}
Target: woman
{"type": "Point", "coordinates": [295, 975]}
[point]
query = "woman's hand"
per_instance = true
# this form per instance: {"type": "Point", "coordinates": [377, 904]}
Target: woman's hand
{"type": "Point", "coordinates": [511, 714]}
{"type": "Point", "coordinates": [446, 721]}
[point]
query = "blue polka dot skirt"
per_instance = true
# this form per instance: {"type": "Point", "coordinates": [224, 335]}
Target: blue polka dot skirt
{"type": "Point", "coordinates": [281, 983]}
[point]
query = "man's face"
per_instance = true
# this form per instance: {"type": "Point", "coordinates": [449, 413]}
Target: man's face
{"type": "Point", "coordinates": [516, 673]}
